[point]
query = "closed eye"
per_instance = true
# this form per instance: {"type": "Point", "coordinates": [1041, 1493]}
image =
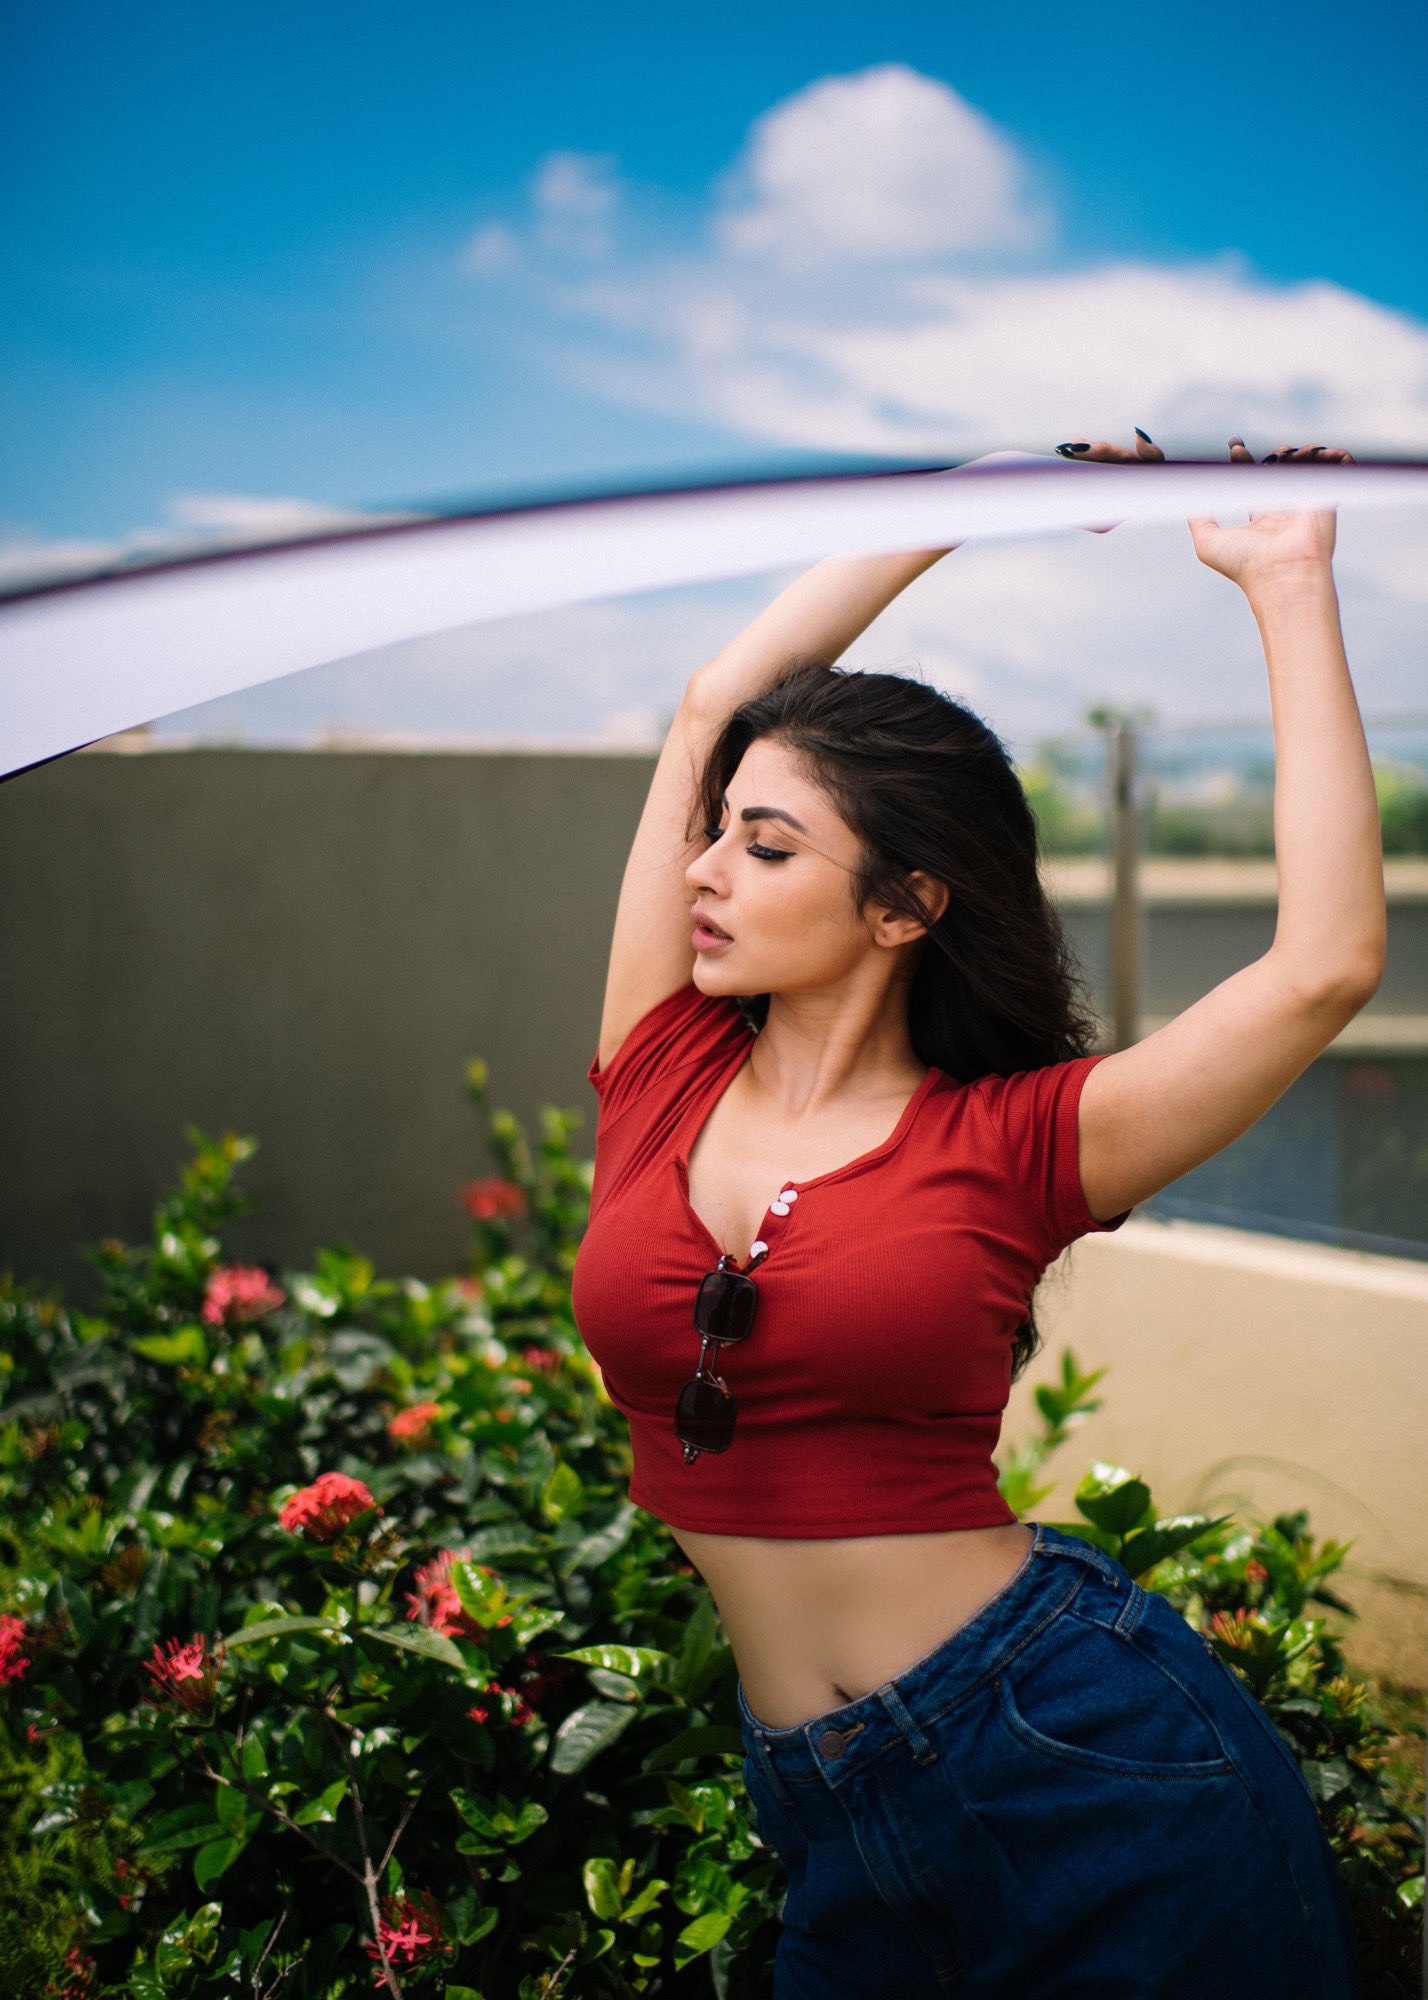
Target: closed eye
{"type": "Point", "coordinates": [713, 833]}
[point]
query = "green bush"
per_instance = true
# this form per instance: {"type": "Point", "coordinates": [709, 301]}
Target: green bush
{"type": "Point", "coordinates": [331, 1649]}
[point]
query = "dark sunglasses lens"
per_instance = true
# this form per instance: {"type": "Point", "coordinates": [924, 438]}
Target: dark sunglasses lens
{"type": "Point", "coordinates": [725, 1306]}
{"type": "Point", "coordinates": [704, 1415]}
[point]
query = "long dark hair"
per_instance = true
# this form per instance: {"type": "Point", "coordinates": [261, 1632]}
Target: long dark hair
{"type": "Point", "coordinates": [925, 784]}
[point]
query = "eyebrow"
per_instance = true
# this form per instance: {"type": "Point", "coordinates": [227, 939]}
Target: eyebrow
{"type": "Point", "coordinates": [768, 812]}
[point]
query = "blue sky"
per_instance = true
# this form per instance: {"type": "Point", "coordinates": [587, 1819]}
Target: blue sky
{"type": "Point", "coordinates": [327, 257]}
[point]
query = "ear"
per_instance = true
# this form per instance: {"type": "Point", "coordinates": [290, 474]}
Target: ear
{"type": "Point", "coordinates": [894, 928]}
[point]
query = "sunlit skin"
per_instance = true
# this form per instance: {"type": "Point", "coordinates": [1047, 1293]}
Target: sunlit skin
{"type": "Point", "coordinates": [837, 979]}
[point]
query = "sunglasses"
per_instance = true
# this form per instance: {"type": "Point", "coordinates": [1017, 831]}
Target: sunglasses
{"type": "Point", "coordinates": [724, 1309]}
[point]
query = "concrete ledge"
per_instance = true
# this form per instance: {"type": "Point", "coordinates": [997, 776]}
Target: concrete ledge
{"type": "Point", "coordinates": [1252, 1375]}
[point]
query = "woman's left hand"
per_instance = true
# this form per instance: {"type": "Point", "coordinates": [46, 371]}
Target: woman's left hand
{"type": "Point", "coordinates": [1271, 543]}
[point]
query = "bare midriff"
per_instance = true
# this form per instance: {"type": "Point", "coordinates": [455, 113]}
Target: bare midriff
{"type": "Point", "coordinates": [817, 1623]}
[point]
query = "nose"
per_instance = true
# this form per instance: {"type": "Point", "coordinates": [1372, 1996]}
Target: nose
{"type": "Point", "coordinates": [706, 871]}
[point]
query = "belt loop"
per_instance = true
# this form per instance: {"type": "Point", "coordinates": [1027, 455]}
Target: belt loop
{"type": "Point", "coordinates": [1136, 1601]}
{"type": "Point", "coordinates": [759, 1751]}
{"type": "Point", "coordinates": [923, 1750]}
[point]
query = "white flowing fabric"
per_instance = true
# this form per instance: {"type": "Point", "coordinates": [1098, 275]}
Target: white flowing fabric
{"type": "Point", "coordinates": [82, 658]}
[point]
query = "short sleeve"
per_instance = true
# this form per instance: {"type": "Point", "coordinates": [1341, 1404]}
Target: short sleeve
{"type": "Point", "coordinates": [688, 1027]}
{"type": "Point", "coordinates": [1036, 1114]}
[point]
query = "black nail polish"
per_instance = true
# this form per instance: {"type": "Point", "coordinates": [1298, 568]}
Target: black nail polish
{"type": "Point", "coordinates": [1141, 434]}
{"type": "Point", "coordinates": [1080, 447]}
{"type": "Point", "coordinates": [1269, 458]}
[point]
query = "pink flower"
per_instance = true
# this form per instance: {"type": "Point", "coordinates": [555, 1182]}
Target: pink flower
{"type": "Point", "coordinates": [434, 1601]}
{"type": "Point", "coordinates": [411, 1933]}
{"type": "Point", "coordinates": [188, 1678]}
{"type": "Point", "coordinates": [542, 1360]}
{"type": "Point", "coordinates": [321, 1511]}
{"type": "Point", "coordinates": [489, 1199]}
{"type": "Point", "coordinates": [236, 1293]}
{"type": "Point", "coordinates": [78, 1980]}
{"type": "Point", "coordinates": [1235, 1628]}
{"type": "Point", "coordinates": [15, 1657]}
{"type": "Point", "coordinates": [411, 1426]}
{"type": "Point", "coordinates": [522, 1712]}
{"type": "Point", "coordinates": [471, 1289]}
{"type": "Point", "coordinates": [478, 1714]}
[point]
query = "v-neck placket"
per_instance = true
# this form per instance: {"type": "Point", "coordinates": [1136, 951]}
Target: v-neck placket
{"type": "Point", "coordinates": [784, 1203]}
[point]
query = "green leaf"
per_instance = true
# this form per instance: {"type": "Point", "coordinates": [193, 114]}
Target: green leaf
{"type": "Point", "coordinates": [646, 1899]}
{"type": "Point", "coordinates": [709, 1740]}
{"type": "Point", "coordinates": [76, 1603]}
{"type": "Point", "coordinates": [636, 1662]}
{"type": "Point", "coordinates": [597, 1548]}
{"type": "Point", "coordinates": [685, 1804]}
{"type": "Point", "coordinates": [185, 1826]}
{"type": "Point", "coordinates": [586, 1732]}
{"type": "Point", "coordinates": [602, 1888]}
{"type": "Point", "coordinates": [1148, 1546]}
{"type": "Point", "coordinates": [324, 1806]}
{"type": "Point", "coordinates": [420, 1639]}
{"type": "Point", "coordinates": [702, 1935]}
{"type": "Point", "coordinates": [215, 1857]}
{"type": "Point", "coordinates": [186, 1345]}
{"type": "Point", "coordinates": [277, 1628]}
{"type": "Point", "coordinates": [230, 1808]}
{"type": "Point", "coordinates": [255, 1758]}
{"type": "Point", "coordinates": [1112, 1498]}
{"type": "Point", "coordinates": [563, 1494]}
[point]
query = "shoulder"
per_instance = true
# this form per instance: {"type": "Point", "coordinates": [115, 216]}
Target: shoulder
{"type": "Point", "coordinates": [686, 1030]}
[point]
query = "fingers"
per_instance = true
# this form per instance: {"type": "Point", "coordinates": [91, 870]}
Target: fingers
{"type": "Point", "coordinates": [1100, 451]}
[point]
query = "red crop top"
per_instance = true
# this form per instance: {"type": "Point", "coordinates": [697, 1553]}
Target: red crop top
{"type": "Point", "coordinates": [870, 1392]}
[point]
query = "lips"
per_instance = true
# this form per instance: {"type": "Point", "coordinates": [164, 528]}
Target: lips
{"type": "Point", "coordinates": [707, 924]}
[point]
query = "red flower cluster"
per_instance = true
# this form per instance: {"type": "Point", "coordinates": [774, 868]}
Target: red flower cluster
{"type": "Point", "coordinates": [434, 1601]}
{"type": "Point", "coordinates": [491, 1199]}
{"type": "Point", "coordinates": [15, 1641]}
{"type": "Point", "coordinates": [237, 1293]}
{"type": "Point", "coordinates": [522, 1712]}
{"type": "Point", "coordinates": [537, 1677]}
{"type": "Point", "coordinates": [1234, 1627]}
{"type": "Point", "coordinates": [187, 1678]}
{"type": "Point", "coordinates": [413, 1425]}
{"type": "Point", "coordinates": [321, 1511]}
{"type": "Point", "coordinates": [78, 1979]}
{"type": "Point", "coordinates": [542, 1360]}
{"type": "Point", "coordinates": [411, 1932]}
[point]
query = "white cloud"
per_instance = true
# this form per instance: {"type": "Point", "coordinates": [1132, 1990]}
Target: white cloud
{"type": "Point", "coordinates": [861, 280]}
{"type": "Point", "coordinates": [884, 165]}
{"type": "Point", "coordinates": [575, 197]}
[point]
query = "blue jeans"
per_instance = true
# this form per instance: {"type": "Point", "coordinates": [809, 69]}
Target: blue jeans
{"type": "Point", "coordinates": [1072, 1795]}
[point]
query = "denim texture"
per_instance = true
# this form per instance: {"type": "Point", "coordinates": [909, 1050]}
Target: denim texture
{"type": "Point", "coordinates": [1072, 1795]}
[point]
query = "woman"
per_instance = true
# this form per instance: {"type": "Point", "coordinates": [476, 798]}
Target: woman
{"type": "Point", "coordinates": [835, 1152]}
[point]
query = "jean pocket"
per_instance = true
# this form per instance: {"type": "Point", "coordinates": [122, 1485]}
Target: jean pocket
{"type": "Point", "coordinates": [1092, 1697]}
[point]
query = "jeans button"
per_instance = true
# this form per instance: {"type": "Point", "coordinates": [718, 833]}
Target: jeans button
{"type": "Point", "coordinates": [831, 1743]}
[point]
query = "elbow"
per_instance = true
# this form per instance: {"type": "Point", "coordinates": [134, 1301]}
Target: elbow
{"type": "Point", "coordinates": [1356, 984]}
{"type": "Point", "coordinates": [1340, 989]}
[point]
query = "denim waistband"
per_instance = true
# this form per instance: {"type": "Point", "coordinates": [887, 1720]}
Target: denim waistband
{"type": "Point", "coordinates": [831, 1748]}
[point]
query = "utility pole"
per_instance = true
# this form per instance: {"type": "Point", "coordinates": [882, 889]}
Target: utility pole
{"type": "Point", "coordinates": [1122, 733]}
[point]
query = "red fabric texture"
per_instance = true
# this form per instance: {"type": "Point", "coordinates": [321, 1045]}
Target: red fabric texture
{"type": "Point", "coordinates": [870, 1392]}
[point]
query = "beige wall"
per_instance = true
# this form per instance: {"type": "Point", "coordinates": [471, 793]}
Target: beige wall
{"type": "Point", "coordinates": [1251, 1375]}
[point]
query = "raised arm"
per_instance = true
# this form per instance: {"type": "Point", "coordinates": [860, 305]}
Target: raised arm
{"type": "Point", "coordinates": [819, 616]}
{"type": "Point", "coordinates": [1150, 1113]}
